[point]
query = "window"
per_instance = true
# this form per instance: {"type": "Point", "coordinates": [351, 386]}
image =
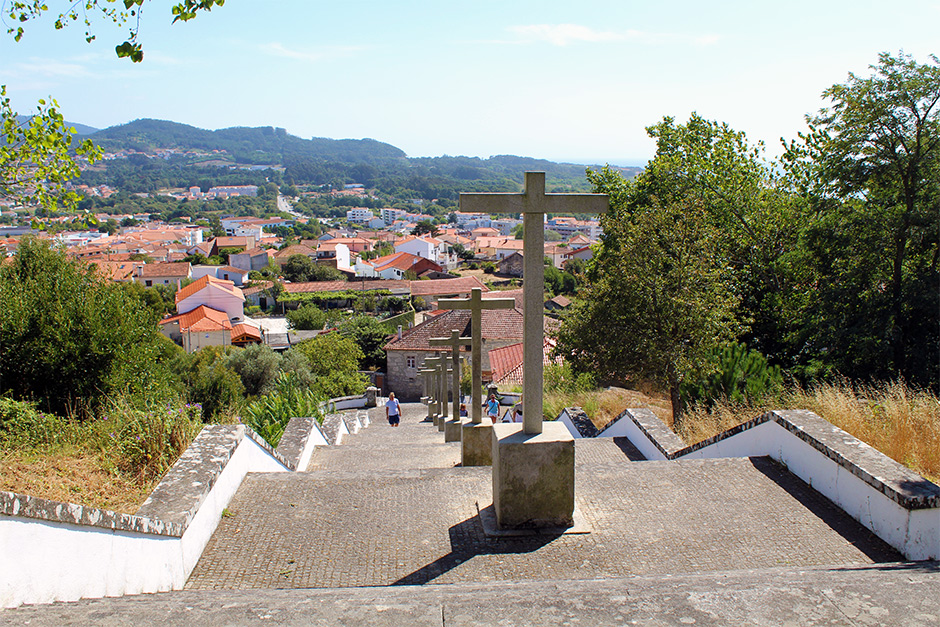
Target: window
{"type": "Point", "coordinates": [411, 361]}
{"type": "Point", "coordinates": [149, 283]}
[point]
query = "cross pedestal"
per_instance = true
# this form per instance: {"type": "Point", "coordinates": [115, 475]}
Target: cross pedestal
{"type": "Point", "coordinates": [442, 403]}
{"type": "Point", "coordinates": [476, 435]}
{"type": "Point", "coordinates": [454, 342]}
{"type": "Point", "coordinates": [432, 366]}
{"type": "Point", "coordinates": [533, 467]}
{"type": "Point", "coordinates": [426, 374]}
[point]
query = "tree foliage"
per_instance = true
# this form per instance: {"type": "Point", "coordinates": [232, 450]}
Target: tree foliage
{"type": "Point", "coordinates": [370, 336]}
{"type": "Point", "coordinates": [35, 155]}
{"type": "Point", "coordinates": [87, 11]}
{"type": "Point", "coordinates": [300, 268]}
{"type": "Point", "coordinates": [69, 338]}
{"type": "Point", "coordinates": [869, 167]}
{"type": "Point", "coordinates": [660, 303]}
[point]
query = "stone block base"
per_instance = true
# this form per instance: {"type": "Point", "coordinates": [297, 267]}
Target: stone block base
{"type": "Point", "coordinates": [435, 418]}
{"type": "Point", "coordinates": [452, 430]}
{"type": "Point", "coordinates": [533, 477]}
{"type": "Point", "coordinates": [440, 423]}
{"type": "Point", "coordinates": [477, 444]}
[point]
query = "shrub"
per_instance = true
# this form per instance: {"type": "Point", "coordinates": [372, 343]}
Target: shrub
{"type": "Point", "coordinates": [219, 390]}
{"type": "Point", "coordinates": [561, 378]}
{"type": "Point", "coordinates": [24, 426]}
{"type": "Point", "coordinates": [737, 376]}
{"type": "Point", "coordinates": [145, 443]}
{"type": "Point", "coordinates": [308, 318]}
{"type": "Point", "coordinates": [269, 415]}
{"type": "Point", "coordinates": [258, 367]}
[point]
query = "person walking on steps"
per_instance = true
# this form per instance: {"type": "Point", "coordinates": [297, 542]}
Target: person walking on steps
{"type": "Point", "coordinates": [492, 408]}
{"type": "Point", "coordinates": [393, 410]}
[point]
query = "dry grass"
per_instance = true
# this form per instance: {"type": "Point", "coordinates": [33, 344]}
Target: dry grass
{"type": "Point", "coordinates": [901, 422]}
{"type": "Point", "coordinates": [602, 406]}
{"type": "Point", "coordinates": [71, 477]}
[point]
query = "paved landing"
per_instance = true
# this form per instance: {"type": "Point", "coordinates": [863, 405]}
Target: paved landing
{"type": "Point", "coordinates": [388, 507]}
{"type": "Point", "coordinates": [897, 595]}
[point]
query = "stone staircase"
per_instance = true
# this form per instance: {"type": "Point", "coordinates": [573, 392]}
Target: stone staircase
{"type": "Point", "coordinates": [720, 541]}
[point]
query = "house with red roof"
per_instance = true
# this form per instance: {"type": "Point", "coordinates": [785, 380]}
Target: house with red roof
{"type": "Point", "coordinates": [210, 313]}
{"type": "Point", "coordinates": [428, 247]}
{"type": "Point", "coordinates": [216, 293]}
{"type": "Point", "coordinates": [174, 273]}
{"type": "Point", "coordinates": [405, 355]}
{"type": "Point", "coordinates": [395, 266]}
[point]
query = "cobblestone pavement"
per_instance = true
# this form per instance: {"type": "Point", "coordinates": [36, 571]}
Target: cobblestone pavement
{"type": "Point", "coordinates": [388, 506]}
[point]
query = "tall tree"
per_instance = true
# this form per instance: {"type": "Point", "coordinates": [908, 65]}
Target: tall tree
{"type": "Point", "coordinates": [659, 300]}
{"type": "Point", "coordinates": [871, 167]}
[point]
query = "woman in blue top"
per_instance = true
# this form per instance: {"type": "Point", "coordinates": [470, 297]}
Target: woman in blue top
{"type": "Point", "coordinates": [492, 408]}
{"type": "Point", "coordinates": [393, 410]}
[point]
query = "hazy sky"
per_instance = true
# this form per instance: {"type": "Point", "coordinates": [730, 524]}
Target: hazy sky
{"type": "Point", "coordinates": [568, 81]}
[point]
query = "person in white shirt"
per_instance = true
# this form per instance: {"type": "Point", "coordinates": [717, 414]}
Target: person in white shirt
{"type": "Point", "coordinates": [393, 410]}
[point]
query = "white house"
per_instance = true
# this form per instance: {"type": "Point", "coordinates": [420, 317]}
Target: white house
{"type": "Point", "coordinates": [359, 214]}
{"type": "Point", "coordinates": [427, 247]}
{"type": "Point", "coordinates": [238, 276]}
{"type": "Point", "coordinates": [215, 293]}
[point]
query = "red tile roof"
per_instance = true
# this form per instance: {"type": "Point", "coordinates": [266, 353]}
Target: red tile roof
{"type": "Point", "coordinates": [506, 362]}
{"type": "Point", "coordinates": [498, 324]}
{"type": "Point", "coordinates": [203, 282]}
{"type": "Point", "coordinates": [202, 318]}
{"type": "Point", "coordinates": [444, 287]}
{"type": "Point", "coordinates": [180, 270]}
{"type": "Point", "coordinates": [245, 332]}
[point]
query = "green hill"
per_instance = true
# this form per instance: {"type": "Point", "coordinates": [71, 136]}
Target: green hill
{"type": "Point", "coordinates": [262, 145]}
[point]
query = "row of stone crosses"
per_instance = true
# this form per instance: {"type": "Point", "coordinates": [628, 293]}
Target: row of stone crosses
{"type": "Point", "coordinates": [533, 464]}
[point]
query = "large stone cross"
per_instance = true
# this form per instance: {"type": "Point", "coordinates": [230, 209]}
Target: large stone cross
{"type": "Point", "coordinates": [533, 203]}
{"type": "Point", "coordinates": [454, 342]}
{"type": "Point", "coordinates": [476, 304]}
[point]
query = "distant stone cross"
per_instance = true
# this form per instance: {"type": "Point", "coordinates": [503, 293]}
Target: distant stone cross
{"type": "Point", "coordinates": [431, 370]}
{"type": "Point", "coordinates": [454, 342]}
{"type": "Point", "coordinates": [476, 304]}
{"type": "Point", "coordinates": [427, 374]}
{"type": "Point", "coordinates": [533, 203]}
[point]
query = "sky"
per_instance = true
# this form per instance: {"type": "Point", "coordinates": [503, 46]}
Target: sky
{"type": "Point", "coordinates": [561, 80]}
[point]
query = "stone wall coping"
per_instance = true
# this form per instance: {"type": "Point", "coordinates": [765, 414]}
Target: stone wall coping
{"type": "Point", "coordinates": [581, 422]}
{"type": "Point", "coordinates": [656, 431]}
{"type": "Point", "coordinates": [25, 506]}
{"type": "Point", "coordinates": [332, 426]}
{"type": "Point", "coordinates": [897, 482]}
{"type": "Point", "coordinates": [295, 438]}
{"type": "Point", "coordinates": [183, 489]}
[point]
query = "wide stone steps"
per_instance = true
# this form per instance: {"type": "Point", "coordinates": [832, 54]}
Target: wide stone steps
{"type": "Point", "coordinates": [389, 507]}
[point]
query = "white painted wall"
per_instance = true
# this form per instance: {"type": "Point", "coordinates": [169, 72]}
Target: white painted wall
{"type": "Point", "coordinates": [314, 440]}
{"type": "Point", "coordinates": [625, 427]}
{"type": "Point", "coordinates": [57, 561]}
{"type": "Point", "coordinates": [914, 533]}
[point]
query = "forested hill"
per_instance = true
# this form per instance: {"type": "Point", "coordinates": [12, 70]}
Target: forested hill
{"type": "Point", "coordinates": [262, 145]}
{"type": "Point", "coordinates": [317, 161]}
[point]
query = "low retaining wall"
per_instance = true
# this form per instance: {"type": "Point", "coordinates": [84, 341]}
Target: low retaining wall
{"type": "Point", "coordinates": [895, 503]}
{"type": "Point", "coordinates": [64, 552]}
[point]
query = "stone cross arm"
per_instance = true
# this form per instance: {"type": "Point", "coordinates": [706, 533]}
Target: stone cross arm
{"type": "Point", "coordinates": [476, 302]}
{"type": "Point", "coordinates": [533, 200]}
{"type": "Point", "coordinates": [453, 342]}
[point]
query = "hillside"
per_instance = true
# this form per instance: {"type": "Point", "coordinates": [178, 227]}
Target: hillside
{"type": "Point", "coordinates": [262, 145]}
{"type": "Point", "coordinates": [307, 162]}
